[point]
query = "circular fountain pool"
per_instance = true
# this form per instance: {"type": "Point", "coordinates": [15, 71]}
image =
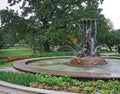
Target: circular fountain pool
{"type": "Point", "coordinates": [58, 66]}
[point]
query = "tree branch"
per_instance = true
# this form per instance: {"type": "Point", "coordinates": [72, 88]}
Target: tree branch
{"type": "Point", "coordinates": [52, 12]}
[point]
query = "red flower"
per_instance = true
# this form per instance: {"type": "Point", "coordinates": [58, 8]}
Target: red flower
{"type": "Point", "coordinates": [12, 59]}
{"type": "Point", "coordinates": [16, 58]}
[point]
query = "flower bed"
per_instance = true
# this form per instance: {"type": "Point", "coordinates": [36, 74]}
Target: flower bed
{"type": "Point", "coordinates": [16, 58]}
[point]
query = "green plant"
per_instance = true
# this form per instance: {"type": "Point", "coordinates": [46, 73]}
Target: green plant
{"type": "Point", "coordinates": [18, 78]}
{"type": "Point", "coordinates": [2, 61]}
{"type": "Point", "coordinates": [7, 64]}
{"type": "Point", "coordinates": [64, 83]}
{"type": "Point", "coordinates": [14, 52]}
{"type": "Point", "coordinates": [118, 55]}
{"type": "Point", "coordinates": [49, 54]}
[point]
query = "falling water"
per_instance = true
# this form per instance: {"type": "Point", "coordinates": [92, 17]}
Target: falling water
{"type": "Point", "coordinates": [92, 46]}
{"type": "Point", "coordinates": [72, 49]}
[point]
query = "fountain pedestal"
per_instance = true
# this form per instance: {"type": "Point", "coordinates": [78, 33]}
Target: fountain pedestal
{"type": "Point", "coordinates": [87, 61]}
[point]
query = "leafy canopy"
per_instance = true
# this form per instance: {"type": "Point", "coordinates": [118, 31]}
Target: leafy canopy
{"type": "Point", "coordinates": [50, 22]}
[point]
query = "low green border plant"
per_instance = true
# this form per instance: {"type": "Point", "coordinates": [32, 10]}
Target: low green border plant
{"type": "Point", "coordinates": [49, 54]}
{"type": "Point", "coordinates": [118, 55]}
{"type": "Point", "coordinates": [6, 64]}
{"type": "Point", "coordinates": [2, 61]}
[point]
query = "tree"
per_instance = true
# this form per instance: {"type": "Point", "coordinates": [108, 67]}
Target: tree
{"type": "Point", "coordinates": [1, 39]}
{"type": "Point", "coordinates": [13, 26]}
{"type": "Point", "coordinates": [110, 40]}
{"type": "Point", "coordinates": [51, 21]}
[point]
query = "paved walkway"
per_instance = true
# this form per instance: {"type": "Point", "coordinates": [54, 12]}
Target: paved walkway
{"type": "Point", "coordinates": [8, 90]}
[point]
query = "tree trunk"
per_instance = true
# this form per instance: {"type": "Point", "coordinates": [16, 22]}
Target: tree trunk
{"type": "Point", "coordinates": [46, 46]}
{"type": "Point", "coordinates": [110, 48]}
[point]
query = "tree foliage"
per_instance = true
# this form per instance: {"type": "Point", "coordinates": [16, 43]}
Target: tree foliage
{"type": "Point", "coordinates": [50, 22]}
{"type": "Point", "coordinates": [1, 39]}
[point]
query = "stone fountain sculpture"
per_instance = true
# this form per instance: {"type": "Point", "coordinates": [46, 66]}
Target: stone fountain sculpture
{"type": "Point", "coordinates": [88, 54]}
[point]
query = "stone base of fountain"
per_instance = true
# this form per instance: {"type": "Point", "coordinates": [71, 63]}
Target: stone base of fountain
{"type": "Point", "coordinates": [87, 61]}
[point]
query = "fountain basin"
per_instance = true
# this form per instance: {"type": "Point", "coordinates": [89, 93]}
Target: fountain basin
{"type": "Point", "coordinates": [58, 66]}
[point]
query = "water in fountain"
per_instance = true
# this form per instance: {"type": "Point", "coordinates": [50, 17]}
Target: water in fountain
{"type": "Point", "coordinates": [92, 47]}
{"type": "Point", "coordinates": [71, 48]}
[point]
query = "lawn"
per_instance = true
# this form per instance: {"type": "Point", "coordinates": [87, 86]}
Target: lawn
{"type": "Point", "coordinates": [13, 52]}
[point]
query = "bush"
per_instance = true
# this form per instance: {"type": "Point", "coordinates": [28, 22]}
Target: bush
{"type": "Point", "coordinates": [104, 49]}
{"type": "Point", "coordinates": [3, 57]}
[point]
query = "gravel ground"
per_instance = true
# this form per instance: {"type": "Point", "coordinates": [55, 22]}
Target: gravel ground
{"type": "Point", "coordinates": [8, 69]}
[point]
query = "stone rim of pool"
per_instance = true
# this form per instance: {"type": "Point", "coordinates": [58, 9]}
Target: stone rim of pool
{"type": "Point", "coordinates": [22, 65]}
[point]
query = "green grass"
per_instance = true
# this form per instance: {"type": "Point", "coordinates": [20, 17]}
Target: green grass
{"type": "Point", "coordinates": [13, 52]}
{"type": "Point", "coordinates": [9, 64]}
{"type": "Point", "coordinates": [118, 55]}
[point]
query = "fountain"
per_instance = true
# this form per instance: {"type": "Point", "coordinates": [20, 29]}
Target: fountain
{"type": "Point", "coordinates": [88, 54]}
{"type": "Point", "coordinates": [86, 64]}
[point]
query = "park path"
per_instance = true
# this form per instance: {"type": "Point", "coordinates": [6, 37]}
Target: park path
{"type": "Point", "coordinates": [8, 90]}
{"type": "Point", "coordinates": [8, 69]}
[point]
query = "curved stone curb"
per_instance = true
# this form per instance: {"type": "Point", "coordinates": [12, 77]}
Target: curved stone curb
{"type": "Point", "coordinates": [26, 90]}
